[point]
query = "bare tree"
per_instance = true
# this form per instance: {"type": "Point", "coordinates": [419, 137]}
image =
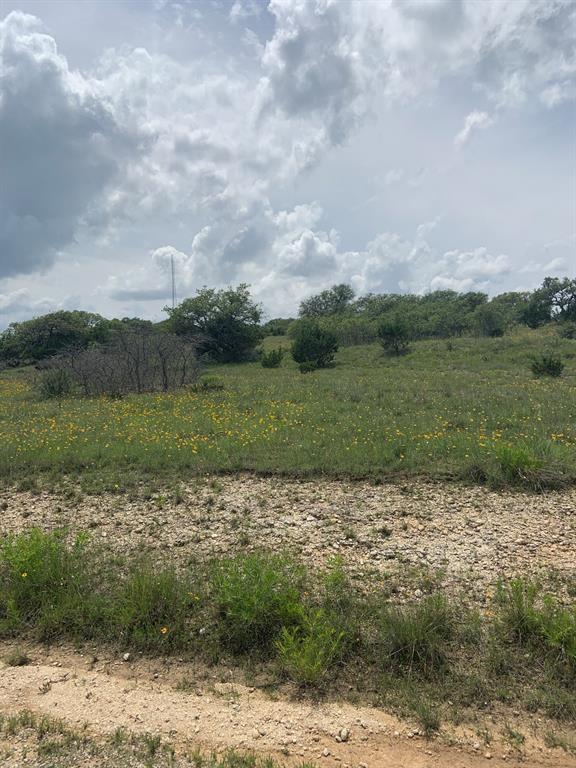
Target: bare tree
{"type": "Point", "coordinates": [134, 361]}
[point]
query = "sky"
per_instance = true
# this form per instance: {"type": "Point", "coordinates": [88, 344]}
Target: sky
{"type": "Point", "coordinates": [395, 145]}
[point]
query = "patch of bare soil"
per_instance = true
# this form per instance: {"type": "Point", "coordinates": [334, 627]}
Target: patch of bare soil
{"type": "Point", "coordinates": [108, 693]}
{"type": "Point", "coordinates": [468, 536]}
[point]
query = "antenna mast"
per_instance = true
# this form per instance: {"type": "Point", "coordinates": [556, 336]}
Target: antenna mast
{"type": "Point", "coordinates": [173, 281]}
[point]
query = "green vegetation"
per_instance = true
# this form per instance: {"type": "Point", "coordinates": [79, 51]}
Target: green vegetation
{"type": "Point", "coordinates": [58, 745]}
{"type": "Point", "coordinates": [316, 629]}
{"type": "Point", "coordinates": [313, 345]}
{"type": "Point", "coordinates": [273, 358]}
{"type": "Point", "coordinates": [466, 408]}
{"type": "Point", "coordinates": [225, 324]}
{"type": "Point", "coordinates": [547, 365]}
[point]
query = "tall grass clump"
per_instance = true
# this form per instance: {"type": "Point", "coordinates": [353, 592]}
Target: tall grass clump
{"type": "Point", "coordinates": [46, 585]}
{"type": "Point", "coordinates": [308, 651]}
{"type": "Point", "coordinates": [532, 619]}
{"type": "Point", "coordinates": [256, 595]}
{"type": "Point", "coordinates": [415, 638]}
{"type": "Point", "coordinates": [154, 609]}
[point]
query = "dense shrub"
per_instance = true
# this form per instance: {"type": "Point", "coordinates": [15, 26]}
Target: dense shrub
{"type": "Point", "coordinates": [272, 359]}
{"type": "Point", "coordinates": [307, 367]}
{"type": "Point", "coordinates": [547, 365]}
{"type": "Point", "coordinates": [313, 344]}
{"type": "Point", "coordinates": [394, 335]}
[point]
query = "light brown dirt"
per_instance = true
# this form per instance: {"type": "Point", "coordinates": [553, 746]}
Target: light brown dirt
{"type": "Point", "coordinates": [111, 694]}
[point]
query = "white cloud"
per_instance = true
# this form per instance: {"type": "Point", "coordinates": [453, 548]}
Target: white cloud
{"type": "Point", "coordinates": [207, 146]}
{"type": "Point", "coordinates": [473, 122]}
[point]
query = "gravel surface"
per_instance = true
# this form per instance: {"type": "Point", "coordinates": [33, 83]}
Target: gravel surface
{"type": "Point", "coordinates": [420, 535]}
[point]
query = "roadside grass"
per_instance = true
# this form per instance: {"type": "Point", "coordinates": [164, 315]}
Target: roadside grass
{"type": "Point", "coordinates": [470, 409]}
{"type": "Point", "coordinates": [58, 745]}
{"type": "Point", "coordinates": [430, 658]}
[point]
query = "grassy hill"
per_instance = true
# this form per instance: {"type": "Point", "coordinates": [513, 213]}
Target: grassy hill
{"type": "Point", "coordinates": [464, 408]}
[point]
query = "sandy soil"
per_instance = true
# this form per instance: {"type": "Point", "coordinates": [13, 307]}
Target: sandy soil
{"type": "Point", "coordinates": [110, 693]}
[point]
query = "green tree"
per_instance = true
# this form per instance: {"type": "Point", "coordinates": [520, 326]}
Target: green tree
{"type": "Point", "coordinates": [313, 344]}
{"type": "Point", "coordinates": [488, 320]}
{"type": "Point", "coordinates": [224, 323]}
{"type": "Point", "coordinates": [42, 337]}
{"type": "Point", "coordinates": [333, 301]}
{"type": "Point", "coordinates": [394, 334]}
{"type": "Point", "coordinates": [554, 300]}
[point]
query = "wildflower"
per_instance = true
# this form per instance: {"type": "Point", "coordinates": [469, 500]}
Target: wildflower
{"type": "Point", "coordinates": [24, 574]}
{"type": "Point", "coordinates": [164, 630]}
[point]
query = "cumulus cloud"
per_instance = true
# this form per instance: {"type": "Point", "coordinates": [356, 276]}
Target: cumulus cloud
{"type": "Point", "coordinates": [300, 258]}
{"type": "Point", "coordinates": [330, 60]}
{"type": "Point", "coordinates": [473, 122]}
{"type": "Point", "coordinates": [20, 305]}
{"type": "Point", "coordinates": [206, 146]}
{"type": "Point", "coordinates": [61, 147]}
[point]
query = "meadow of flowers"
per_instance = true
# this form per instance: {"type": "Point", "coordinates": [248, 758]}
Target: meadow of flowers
{"type": "Point", "coordinates": [467, 408]}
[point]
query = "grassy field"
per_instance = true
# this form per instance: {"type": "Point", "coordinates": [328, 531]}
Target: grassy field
{"type": "Point", "coordinates": [466, 408]}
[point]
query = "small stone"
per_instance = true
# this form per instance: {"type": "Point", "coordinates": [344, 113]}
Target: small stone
{"type": "Point", "coordinates": [344, 734]}
{"type": "Point", "coordinates": [126, 657]}
{"type": "Point", "coordinates": [488, 755]}
{"type": "Point", "coordinates": [325, 752]}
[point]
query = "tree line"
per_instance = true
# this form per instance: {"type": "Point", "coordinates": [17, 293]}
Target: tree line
{"type": "Point", "coordinates": [227, 325]}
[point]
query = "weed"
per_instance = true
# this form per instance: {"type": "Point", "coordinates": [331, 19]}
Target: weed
{"type": "Point", "coordinates": [414, 638]}
{"type": "Point", "coordinates": [256, 595]}
{"type": "Point", "coordinates": [16, 658]}
{"type": "Point", "coordinates": [307, 652]}
{"type": "Point", "coordinates": [547, 365]}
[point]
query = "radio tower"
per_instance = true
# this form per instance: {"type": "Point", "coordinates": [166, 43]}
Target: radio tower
{"type": "Point", "coordinates": [173, 281]}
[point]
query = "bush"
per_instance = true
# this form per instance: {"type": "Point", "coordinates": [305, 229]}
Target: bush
{"type": "Point", "coordinates": [547, 365]}
{"type": "Point", "coordinates": [153, 608]}
{"type": "Point", "coordinates": [567, 330]}
{"type": "Point", "coordinates": [256, 595]}
{"type": "Point", "coordinates": [527, 617]}
{"type": "Point", "coordinates": [134, 361]}
{"type": "Point", "coordinates": [308, 367]}
{"type": "Point", "coordinates": [272, 359]}
{"type": "Point", "coordinates": [414, 638]}
{"type": "Point", "coordinates": [394, 336]}
{"type": "Point", "coordinates": [307, 652]}
{"type": "Point", "coordinates": [208, 384]}
{"type": "Point", "coordinates": [45, 584]}
{"type": "Point", "coordinates": [55, 383]}
{"type": "Point", "coordinates": [313, 344]}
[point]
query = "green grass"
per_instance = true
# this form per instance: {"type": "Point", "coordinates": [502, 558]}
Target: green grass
{"type": "Point", "coordinates": [56, 745]}
{"type": "Point", "coordinates": [315, 629]}
{"type": "Point", "coordinates": [468, 409]}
